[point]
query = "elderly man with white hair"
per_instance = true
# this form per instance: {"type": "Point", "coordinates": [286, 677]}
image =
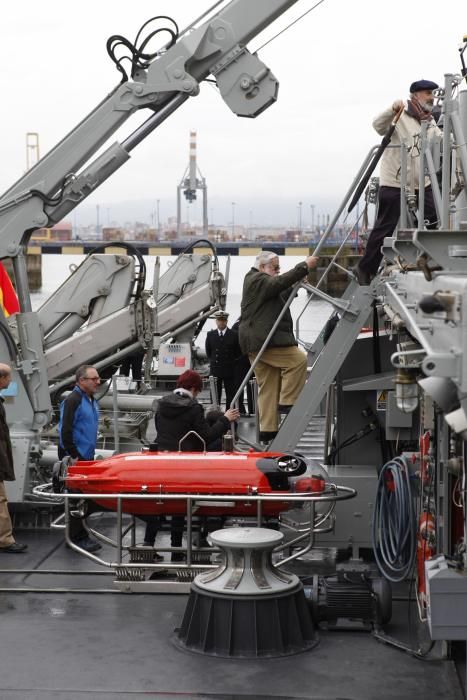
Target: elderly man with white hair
{"type": "Point", "coordinates": [281, 370]}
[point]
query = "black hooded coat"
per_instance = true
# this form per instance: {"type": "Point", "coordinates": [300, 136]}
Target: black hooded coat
{"type": "Point", "coordinates": [176, 415]}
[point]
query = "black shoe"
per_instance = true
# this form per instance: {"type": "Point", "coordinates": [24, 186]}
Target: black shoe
{"type": "Point", "coordinates": [15, 548]}
{"type": "Point", "coordinates": [267, 435]}
{"type": "Point", "coordinates": [88, 544]}
{"type": "Point", "coordinates": [284, 408]}
{"type": "Point", "coordinates": [156, 556]}
{"type": "Point", "coordinates": [363, 278]}
{"type": "Point", "coordinates": [178, 557]}
{"type": "Point", "coordinates": [156, 575]}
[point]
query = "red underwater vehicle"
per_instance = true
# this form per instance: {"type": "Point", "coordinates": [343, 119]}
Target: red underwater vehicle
{"type": "Point", "coordinates": [194, 474]}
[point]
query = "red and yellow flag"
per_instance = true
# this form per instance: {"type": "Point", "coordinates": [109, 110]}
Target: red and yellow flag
{"type": "Point", "coordinates": [8, 298]}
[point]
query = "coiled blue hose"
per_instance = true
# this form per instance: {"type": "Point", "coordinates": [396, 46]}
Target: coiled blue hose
{"type": "Point", "coordinates": [394, 529]}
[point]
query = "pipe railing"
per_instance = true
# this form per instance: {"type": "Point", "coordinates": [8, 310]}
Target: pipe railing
{"type": "Point", "coordinates": [332, 494]}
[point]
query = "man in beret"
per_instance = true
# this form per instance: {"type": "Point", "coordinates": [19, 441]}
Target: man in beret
{"type": "Point", "coordinates": [418, 109]}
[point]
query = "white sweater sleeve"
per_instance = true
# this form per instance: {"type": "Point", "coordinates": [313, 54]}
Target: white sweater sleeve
{"type": "Point", "coordinates": [382, 122]}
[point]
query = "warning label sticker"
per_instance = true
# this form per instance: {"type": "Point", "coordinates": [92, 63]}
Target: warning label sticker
{"type": "Point", "coordinates": [381, 400]}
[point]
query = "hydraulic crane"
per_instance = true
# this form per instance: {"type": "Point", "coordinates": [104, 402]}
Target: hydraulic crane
{"type": "Point", "coordinates": [66, 175]}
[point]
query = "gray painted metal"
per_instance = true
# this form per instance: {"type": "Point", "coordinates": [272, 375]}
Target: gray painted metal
{"type": "Point", "coordinates": [325, 368]}
{"type": "Point", "coordinates": [447, 599]}
{"type": "Point", "coordinates": [105, 280]}
{"type": "Point", "coordinates": [67, 638]}
{"type": "Point", "coordinates": [248, 569]}
{"type": "Point", "coordinates": [69, 174]}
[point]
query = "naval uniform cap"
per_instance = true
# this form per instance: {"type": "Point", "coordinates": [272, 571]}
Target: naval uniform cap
{"type": "Point", "coordinates": [220, 314]}
{"type": "Point", "coordinates": [420, 85]}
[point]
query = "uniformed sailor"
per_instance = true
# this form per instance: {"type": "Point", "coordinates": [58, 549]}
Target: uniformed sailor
{"type": "Point", "coordinates": [222, 350]}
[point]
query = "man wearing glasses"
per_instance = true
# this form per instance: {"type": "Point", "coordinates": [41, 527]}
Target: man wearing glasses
{"type": "Point", "coordinates": [79, 419]}
{"type": "Point", "coordinates": [281, 371]}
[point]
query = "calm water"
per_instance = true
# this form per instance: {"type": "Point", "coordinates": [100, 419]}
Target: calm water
{"type": "Point", "coordinates": [56, 269]}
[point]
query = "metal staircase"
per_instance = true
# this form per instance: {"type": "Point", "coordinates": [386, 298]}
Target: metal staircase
{"type": "Point", "coordinates": [353, 309]}
{"type": "Point", "coordinates": [311, 444]}
{"type": "Point", "coordinates": [298, 430]}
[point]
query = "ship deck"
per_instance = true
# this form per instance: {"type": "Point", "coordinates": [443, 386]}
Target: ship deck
{"type": "Point", "coordinates": [70, 634]}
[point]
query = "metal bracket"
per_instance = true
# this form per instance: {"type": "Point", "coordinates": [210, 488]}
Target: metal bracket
{"type": "Point", "coordinates": [246, 84]}
{"type": "Point", "coordinates": [336, 303]}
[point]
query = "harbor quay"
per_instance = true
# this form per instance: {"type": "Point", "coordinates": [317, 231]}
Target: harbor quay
{"type": "Point", "coordinates": [335, 281]}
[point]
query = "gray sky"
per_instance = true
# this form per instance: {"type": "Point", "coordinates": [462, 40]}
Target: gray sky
{"type": "Point", "coordinates": [337, 68]}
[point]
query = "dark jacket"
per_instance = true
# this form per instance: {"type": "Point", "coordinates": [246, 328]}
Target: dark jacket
{"type": "Point", "coordinates": [7, 472]}
{"type": "Point", "coordinates": [79, 420]}
{"type": "Point", "coordinates": [262, 301]}
{"type": "Point", "coordinates": [242, 363]}
{"type": "Point", "coordinates": [222, 352]}
{"type": "Point", "coordinates": [176, 415]}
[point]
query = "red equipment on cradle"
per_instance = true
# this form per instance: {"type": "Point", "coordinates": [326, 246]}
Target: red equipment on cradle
{"type": "Point", "coordinates": [193, 473]}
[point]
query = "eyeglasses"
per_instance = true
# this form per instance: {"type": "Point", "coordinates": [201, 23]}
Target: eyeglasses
{"type": "Point", "coordinates": [92, 379]}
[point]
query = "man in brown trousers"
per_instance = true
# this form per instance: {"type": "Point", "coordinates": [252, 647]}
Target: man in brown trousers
{"type": "Point", "coordinates": [7, 541]}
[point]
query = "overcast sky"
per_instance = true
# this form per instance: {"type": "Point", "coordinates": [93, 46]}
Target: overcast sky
{"type": "Point", "coordinates": [338, 67]}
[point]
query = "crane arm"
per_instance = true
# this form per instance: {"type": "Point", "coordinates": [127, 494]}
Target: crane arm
{"type": "Point", "coordinates": [72, 170]}
{"type": "Point", "coordinates": [55, 185]}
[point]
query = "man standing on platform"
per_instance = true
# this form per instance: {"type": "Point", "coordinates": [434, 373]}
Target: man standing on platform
{"type": "Point", "coordinates": [223, 350]}
{"type": "Point", "coordinates": [7, 541]}
{"type": "Point", "coordinates": [79, 420]}
{"type": "Point", "coordinates": [416, 110]}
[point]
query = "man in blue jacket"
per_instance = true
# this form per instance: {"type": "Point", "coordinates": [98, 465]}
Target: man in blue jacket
{"type": "Point", "coordinates": [79, 419]}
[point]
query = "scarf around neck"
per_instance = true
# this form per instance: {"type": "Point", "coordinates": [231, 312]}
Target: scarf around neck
{"type": "Point", "coordinates": [415, 109]}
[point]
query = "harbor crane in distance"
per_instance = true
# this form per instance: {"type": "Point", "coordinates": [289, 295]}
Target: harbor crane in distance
{"type": "Point", "coordinates": [192, 181]}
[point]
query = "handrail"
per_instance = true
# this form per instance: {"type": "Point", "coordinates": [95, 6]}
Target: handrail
{"type": "Point", "coordinates": [456, 126]}
{"type": "Point", "coordinates": [332, 494]}
{"type": "Point", "coordinates": [296, 287]}
{"type": "Point", "coordinates": [347, 196]}
{"type": "Point", "coordinates": [246, 378]}
{"type": "Point", "coordinates": [329, 230]}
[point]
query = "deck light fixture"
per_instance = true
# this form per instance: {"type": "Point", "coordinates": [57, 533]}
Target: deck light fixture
{"type": "Point", "coordinates": [406, 390]}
